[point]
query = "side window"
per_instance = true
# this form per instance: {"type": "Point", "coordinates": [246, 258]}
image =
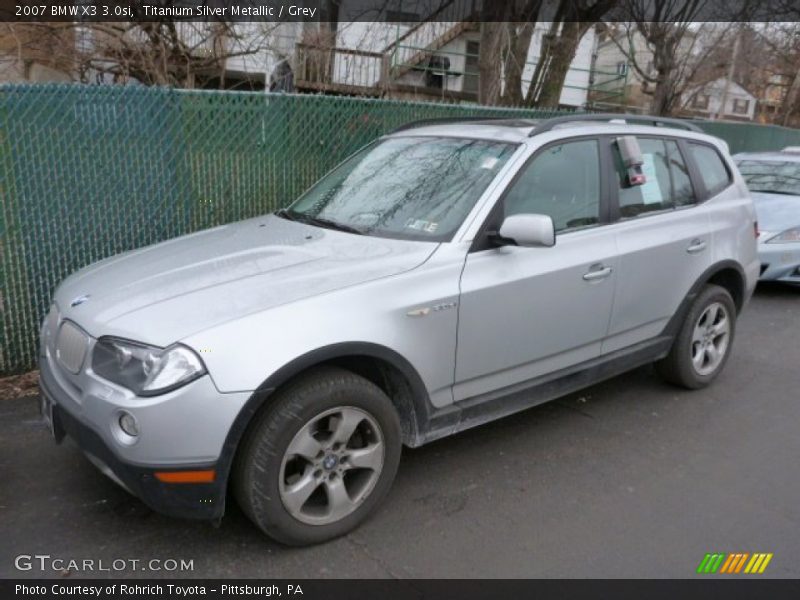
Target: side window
{"type": "Point", "coordinates": [562, 181]}
{"type": "Point", "coordinates": [667, 182]}
{"type": "Point", "coordinates": [713, 172]}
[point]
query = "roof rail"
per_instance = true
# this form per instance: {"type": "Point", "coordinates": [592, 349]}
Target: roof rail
{"type": "Point", "coordinates": [445, 120]}
{"type": "Point", "coordinates": [550, 124]}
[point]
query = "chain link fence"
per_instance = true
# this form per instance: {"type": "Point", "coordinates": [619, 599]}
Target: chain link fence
{"type": "Point", "coordinates": [750, 137]}
{"type": "Point", "coordinates": [90, 171]}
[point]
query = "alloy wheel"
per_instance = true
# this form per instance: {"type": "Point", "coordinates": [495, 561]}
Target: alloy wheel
{"type": "Point", "coordinates": [710, 338]}
{"type": "Point", "coordinates": [331, 465]}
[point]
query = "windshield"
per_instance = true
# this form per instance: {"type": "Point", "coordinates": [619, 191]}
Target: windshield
{"type": "Point", "coordinates": [775, 177]}
{"type": "Point", "coordinates": [418, 188]}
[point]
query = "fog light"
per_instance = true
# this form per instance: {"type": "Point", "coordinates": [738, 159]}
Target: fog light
{"type": "Point", "coordinates": [128, 424]}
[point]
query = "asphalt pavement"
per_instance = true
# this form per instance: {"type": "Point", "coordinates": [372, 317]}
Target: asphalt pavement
{"type": "Point", "coordinates": [629, 478]}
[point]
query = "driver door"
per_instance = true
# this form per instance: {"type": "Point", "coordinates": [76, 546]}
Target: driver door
{"type": "Point", "coordinates": [527, 312]}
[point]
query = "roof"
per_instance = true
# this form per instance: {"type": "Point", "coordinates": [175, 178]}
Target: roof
{"type": "Point", "coordinates": [718, 85]}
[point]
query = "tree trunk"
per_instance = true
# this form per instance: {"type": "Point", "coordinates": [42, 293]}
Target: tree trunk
{"type": "Point", "coordinates": [514, 64]}
{"type": "Point", "coordinates": [535, 85]}
{"type": "Point", "coordinates": [790, 100]}
{"type": "Point", "coordinates": [660, 104]}
{"type": "Point", "coordinates": [489, 85]}
{"type": "Point", "coordinates": [328, 26]}
{"type": "Point", "coordinates": [664, 95]}
{"type": "Point", "coordinates": [562, 52]}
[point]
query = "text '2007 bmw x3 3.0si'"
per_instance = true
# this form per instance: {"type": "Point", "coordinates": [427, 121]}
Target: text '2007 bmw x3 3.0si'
{"type": "Point", "coordinates": [447, 274]}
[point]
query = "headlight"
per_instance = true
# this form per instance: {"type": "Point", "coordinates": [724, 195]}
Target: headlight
{"type": "Point", "coordinates": [790, 235]}
{"type": "Point", "coordinates": [145, 370]}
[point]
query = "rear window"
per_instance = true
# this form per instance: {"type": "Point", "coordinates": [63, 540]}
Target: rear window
{"type": "Point", "coordinates": [713, 172]}
{"type": "Point", "coordinates": [667, 183]}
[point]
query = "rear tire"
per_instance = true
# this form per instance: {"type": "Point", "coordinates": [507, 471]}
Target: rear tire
{"type": "Point", "coordinates": [316, 461]}
{"type": "Point", "coordinates": [704, 341]}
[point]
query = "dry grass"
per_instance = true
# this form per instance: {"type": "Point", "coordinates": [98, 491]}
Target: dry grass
{"type": "Point", "coordinates": [18, 386]}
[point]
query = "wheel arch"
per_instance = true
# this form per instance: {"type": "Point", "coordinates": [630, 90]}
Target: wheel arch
{"type": "Point", "coordinates": [384, 367]}
{"type": "Point", "coordinates": [730, 276]}
{"type": "Point", "coordinates": [727, 274]}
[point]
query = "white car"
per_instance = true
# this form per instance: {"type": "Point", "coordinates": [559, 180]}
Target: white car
{"type": "Point", "coordinates": [774, 182]}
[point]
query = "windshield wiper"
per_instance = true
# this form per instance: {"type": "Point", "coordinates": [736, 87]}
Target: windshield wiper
{"type": "Point", "coordinates": [285, 214]}
{"type": "Point", "coordinates": [318, 221]}
{"type": "Point", "coordinates": [328, 224]}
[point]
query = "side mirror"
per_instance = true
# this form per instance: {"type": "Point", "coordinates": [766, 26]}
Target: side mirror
{"type": "Point", "coordinates": [527, 230]}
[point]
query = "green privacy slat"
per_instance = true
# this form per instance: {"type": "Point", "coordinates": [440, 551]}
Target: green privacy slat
{"type": "Point", "coordinates": [90, 171]}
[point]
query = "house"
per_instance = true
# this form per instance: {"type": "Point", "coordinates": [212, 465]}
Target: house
{"type": "Point", "coordinates": [707, 101]}
{"type": "Point", "coordinates": [619, 49]}
{"type": "Point", "coordinates": [432, 60]}
{"type": "Point", "coordinates": [405, 54]}
{"type": "Point", "coordinates": [413, 56]}
{"type": "Point", "coordinates": [630, 92]}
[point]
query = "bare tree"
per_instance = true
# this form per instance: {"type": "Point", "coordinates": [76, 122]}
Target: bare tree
{"type": "Point", "coordinates": [166, 52]}
{"type": "Point", "coordinates": [26, 47]}
{"type": "Point", "coordinates": [506, 36]}
{"type": "Point", "coordinates": [506, 32]}
{"type": "Point", "coordinates": [779, 62]}
{"type": "Point", "coordinates": [790, 59]}
{"type": "Point", "coordinates": [677, 42]}
{"type": "Point", "coordinates": [169, 53]}
{"type": "Point", "coordinates": [572, 20]}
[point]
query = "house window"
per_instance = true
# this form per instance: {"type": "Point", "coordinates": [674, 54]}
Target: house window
{"type": "Point", "coordinates": [700, 101]}
{"type": "Point", "coordinates": [741, 106]}
{"type": "Point", "coordinates": [471, 70]}
{"type": "Point", "coordinates": [622, 68]}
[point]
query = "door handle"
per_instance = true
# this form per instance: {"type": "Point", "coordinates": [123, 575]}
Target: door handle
{"type": "Point", "coordinates": [696, 246]}
{"type": "Point", "coordinates": [597, 272]}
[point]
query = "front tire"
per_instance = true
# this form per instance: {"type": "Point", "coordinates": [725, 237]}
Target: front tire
{"type": "Point", "coordinates": [319, 458]}
{"type": "Point", "coordinates": [704, 342]}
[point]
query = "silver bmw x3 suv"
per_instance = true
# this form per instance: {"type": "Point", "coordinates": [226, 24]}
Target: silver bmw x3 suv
{"type": "Point", "coordinates": [446, 275]}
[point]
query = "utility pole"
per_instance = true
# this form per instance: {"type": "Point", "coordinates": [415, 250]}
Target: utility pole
{"type": "Point", "coordinates": [731, 73]}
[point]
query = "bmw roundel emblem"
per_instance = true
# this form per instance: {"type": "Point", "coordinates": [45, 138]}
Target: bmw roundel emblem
{"type": "Point", "coordinates": [79, 300]}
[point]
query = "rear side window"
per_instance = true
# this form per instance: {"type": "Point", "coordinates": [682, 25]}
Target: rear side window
{"type": "Point", "coordinates": [667, 184]}
{"type": "Point", "coordinates": [713, 172]}
{"type": "Point", "coordinates": [562, 181]}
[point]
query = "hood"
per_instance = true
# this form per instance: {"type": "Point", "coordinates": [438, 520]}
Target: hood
{"type": "Point", "coordinates": [163, 293]}
{"type": "Point", "coordinates": [776, 212]}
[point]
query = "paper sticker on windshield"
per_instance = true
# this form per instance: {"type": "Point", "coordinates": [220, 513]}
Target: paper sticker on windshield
{"type": "Point", "coordinates": [422, 225]}
{"type": "Point", "coordinates": [651, 191]}
{"type": "Point", "coordinates": [489, 163]}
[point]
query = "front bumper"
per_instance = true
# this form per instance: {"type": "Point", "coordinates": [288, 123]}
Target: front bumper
{"type": "Point", "coordinates": [184, 430]}
{"type": "Point", "coordinates": [193, 501]}
{"type": "Point", "coordinates": [780, 262]}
